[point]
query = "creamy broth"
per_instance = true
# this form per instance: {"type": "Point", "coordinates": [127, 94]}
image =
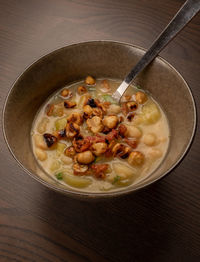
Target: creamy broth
{"type": "Point", "coordinates": [86, 141]}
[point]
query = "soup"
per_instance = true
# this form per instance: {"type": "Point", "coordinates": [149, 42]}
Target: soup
{"type": "Point", "coordinates": [85, 140]}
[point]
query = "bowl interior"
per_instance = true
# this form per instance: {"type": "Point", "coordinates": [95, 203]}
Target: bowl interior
{"type": "Point", "coordinates": [100, 59]}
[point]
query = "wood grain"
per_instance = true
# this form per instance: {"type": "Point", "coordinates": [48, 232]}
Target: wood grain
{"type": "Point", "coordinates": [160, 223]}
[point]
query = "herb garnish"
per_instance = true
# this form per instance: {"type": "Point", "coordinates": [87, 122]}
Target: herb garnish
{"type": "Point", "coordinates": [59, 176]}
{"type": "Point", "coordinates": [116, 179]}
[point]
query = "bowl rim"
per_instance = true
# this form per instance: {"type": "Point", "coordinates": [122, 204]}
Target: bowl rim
{"type": "Point", "coordinates": [98, 195]}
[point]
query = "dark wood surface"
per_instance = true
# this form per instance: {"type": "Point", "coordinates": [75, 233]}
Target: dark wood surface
{"type": "Point", "coordinates": [160, 223]}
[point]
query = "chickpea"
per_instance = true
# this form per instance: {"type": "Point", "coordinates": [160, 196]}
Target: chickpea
{"type": "Point", "coordinates": [70, 151]}
{"type": "Point", "coordinates": [75, 118]}
{"type": "Point", "coordinates": [85, 157]}
{"type": "Point", "coordinates": [133, 131]}
{"type": "Point", "coordinates": [110, 121]}
{"type": "Point", "coordinates": [58, 110]}
{"type": "Point", "coordinates": [41, 128]}
{"type": "Point", "coordinates": [41, 154]}
{"type": "Point", "coordinates": [131, 106]}
{"type": "Point", "coordinates": [136, 158]}
{"type": "Point", "coordinates": [80, 169]}
{"type": "Point", "coordinates": [99, 148]}
{"type": "Point", "coordinates": [149, 139]}
{"type": "Point", "coordinates": [141, 97]}
{"type": "Point", "coordinates": [72, 129]}
{"type": "Point", "coordinates": [40, 142]}
{"type": "Point", "coordinates": [66, 160]}
{"type": "Point", "coordinates": [90, 80]}
{"type": "Point", "coordinates": [81, 90]}
{"type": "Point", "coordinates": [155, 153]}
{"type": "Point", "coordinates": [113, 109]}
{"type": "Point", "coordinates": [95, 124]}
{"type": "Point", "coordinates": [87, 111]}
{"type": "Point", "coordinates": [69, 104]}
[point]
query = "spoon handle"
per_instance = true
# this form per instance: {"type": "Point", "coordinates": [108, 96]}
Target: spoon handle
{"type": "Point", "coordinates": [189, 9]}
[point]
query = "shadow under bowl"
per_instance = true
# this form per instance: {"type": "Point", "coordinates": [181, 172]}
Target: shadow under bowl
{"type": "Point", "coordinates": [101, 59]}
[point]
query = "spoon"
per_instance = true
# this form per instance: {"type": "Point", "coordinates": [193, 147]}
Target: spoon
{"type": "Point", "coordinates": [189, 9]}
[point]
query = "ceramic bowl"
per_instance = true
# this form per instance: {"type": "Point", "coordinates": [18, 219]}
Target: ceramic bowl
{"type": "Point", "coordinates": [101, 59]}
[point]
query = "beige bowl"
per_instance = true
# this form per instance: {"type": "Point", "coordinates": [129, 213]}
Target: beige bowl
{"type": "Point", "coordinates": [101, 59]}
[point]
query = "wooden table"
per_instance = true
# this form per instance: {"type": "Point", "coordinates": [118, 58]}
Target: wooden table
{"type": "Point", "coordinates": [160, 223]}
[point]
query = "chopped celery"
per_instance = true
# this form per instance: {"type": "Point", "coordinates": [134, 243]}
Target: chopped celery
{"type": "Point", "coordinates": [108, 98]}
{"type": "Point", "coordinates": [76, 181]}
{"type": "Point", "coordinates": [124, 182]}
{"type": "Point", "coordinates": [60, 147]}
{"type": "Point", "coordinates": [60, 123]}
{"type": "Point", "coordinates": [55, 165]}
{"type": "Point", "coordinates": [150, 114]}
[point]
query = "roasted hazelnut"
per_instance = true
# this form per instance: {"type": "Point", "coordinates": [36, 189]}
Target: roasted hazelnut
{"type": "Point", "coordinates": [60, 134]}
{"type": "Point", "coordinates": [121, 150]}
{"type": "Point", "coordinates": [87, 111]}
{"type": "Point", "coordinates": [69, 104]}
{"type": "Point", "coordinates": [95, 124]}
{"type": "Point", "coordinates": [99, 148]}
{"type": "Point", "coordinates": [66, 93]}
{"type": "Point", "coordinates": [130, 116]}
{"type": "Point", "coordinates": [49, 139]}
{"type": "Point", "coordinates": [131, 106]}
{"type": "Point", "coordinates": [105, 86]}
{"type": "Point", "coordinates": [49, 110]}
{"type": "Point", "coordinates": [136, 158]}
{"type": "Point", "coordinates": [97, 112]}
{"type": "Point", "coordinates": [82, 90]}
{"type": "Point", "coordinates": [72, 129]}
{"type": "Point", "coordinates": [90, 80]}
{"type": "Point", "coordinates": [91, 102]}
{"type": "Point", "coordinates": [110, 121]}
{"type": "Point", "coordinates": [70, 151]}
{"type": "Point", "coordinates": [80, 169]}
{"type": "Point", "coordinates": [85, 157]}
{"type": "Point", "coordinates": [80, 144]}
{"type": "Point", "coordinates": [141, 97]}
{"type": "Point", "coordinates": [75, 118]}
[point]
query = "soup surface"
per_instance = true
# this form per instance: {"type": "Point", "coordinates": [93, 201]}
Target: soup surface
{"type": "Point", "coordinates": [85, 140]}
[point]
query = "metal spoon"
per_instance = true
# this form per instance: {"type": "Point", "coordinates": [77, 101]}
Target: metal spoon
{"type": "Point", "coordinates": [182, 17]}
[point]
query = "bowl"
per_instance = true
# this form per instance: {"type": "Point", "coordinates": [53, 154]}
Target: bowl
{"type": "Point", "coordinates": [105, 59]}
